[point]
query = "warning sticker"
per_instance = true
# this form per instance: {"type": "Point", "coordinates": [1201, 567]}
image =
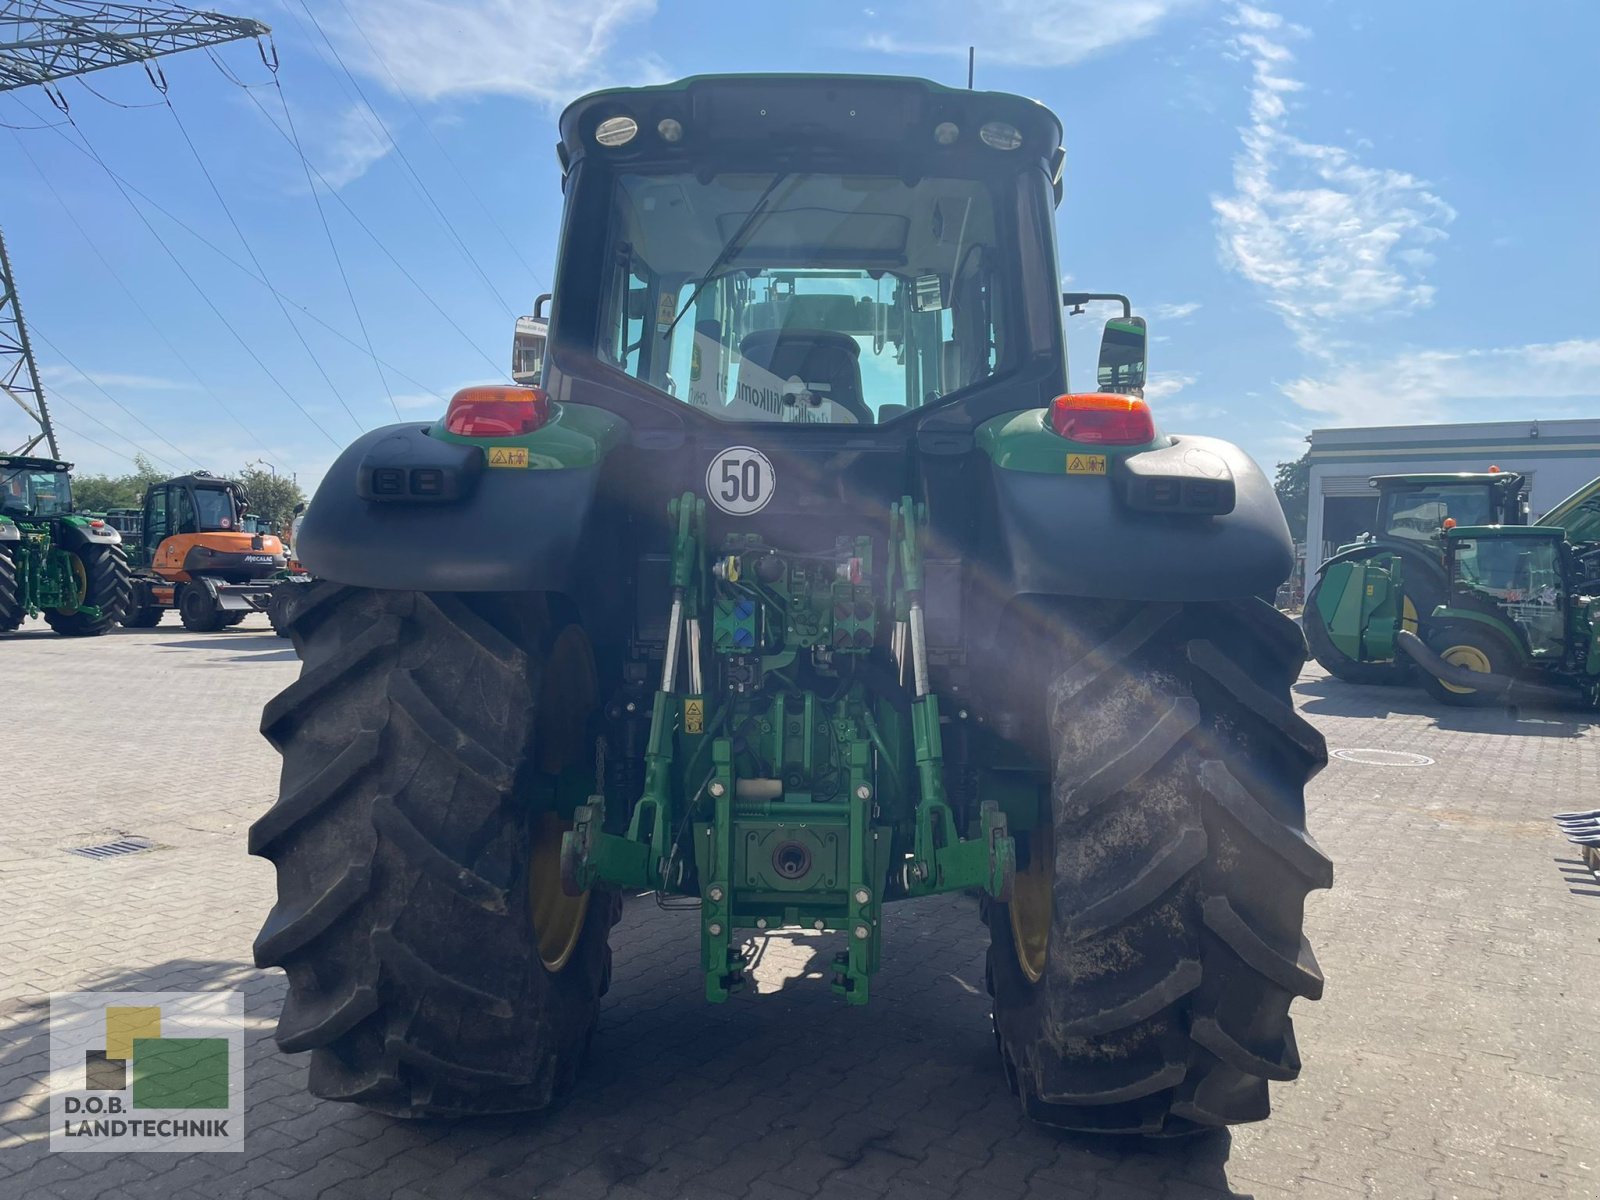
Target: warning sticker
{"type": "Point", "coordinates": [1086, 464]}
{"type": "Point", "coordinates": [666, 310]}
{"type": "Point", "coordinates": [508, 456]}
{"type": "Point", "coordinates": [694, 716]}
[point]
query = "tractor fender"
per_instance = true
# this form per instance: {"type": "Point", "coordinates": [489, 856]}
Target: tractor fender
{"type": "Point", "coordinates": [475, 530]}
{"type": "Point", "coordinates": [75, 535]}
{"type": "Point", "coordinates": [1079, 536]}
{"type": "Point", "coordinates": [9, 532]}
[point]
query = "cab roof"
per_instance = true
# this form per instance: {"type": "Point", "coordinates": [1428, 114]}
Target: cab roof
{"type": "Point", "coordinates": [37, 464]}
{"type": "Point", "coordinates": [1503, 478]}
{"type": "Point", "coordinates": [765, 110]}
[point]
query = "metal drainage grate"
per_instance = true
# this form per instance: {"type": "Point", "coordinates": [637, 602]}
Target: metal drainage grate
{"type": "Point", "coordinates": [127, 845]}
{"type": "Point", "coordinates": [1383, 758]}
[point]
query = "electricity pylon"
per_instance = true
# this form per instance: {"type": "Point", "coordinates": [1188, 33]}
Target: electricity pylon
{"type": "Point", "coordinates": [41, 42]}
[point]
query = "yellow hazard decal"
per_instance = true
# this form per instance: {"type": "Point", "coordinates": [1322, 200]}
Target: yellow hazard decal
{"type": "Point", "coordinates": [694, 716]}
{"type": "Point", "coordinates": [1086, 464]}
{"type": "Point", "coordinates": [667, 309]}
{"type": "Point", "coordinates": [508, 456]}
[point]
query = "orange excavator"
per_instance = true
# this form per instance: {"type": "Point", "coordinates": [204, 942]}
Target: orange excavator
{"type": "Point", "coordinates": [200, 552]}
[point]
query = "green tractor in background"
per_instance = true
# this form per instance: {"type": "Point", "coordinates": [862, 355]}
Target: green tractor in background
{"type": "Point", "coordinates": [802, 587]}
{"type": "Point", "coordinates": [68, 567]}
{"type": "Point", "coordinates": [1391, 580]}
{"type": "Point", "coordinates": [1521, 619]}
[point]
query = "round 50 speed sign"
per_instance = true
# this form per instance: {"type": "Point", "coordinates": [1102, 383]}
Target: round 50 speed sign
{"type": "Point", "coordinates": [740, 480]}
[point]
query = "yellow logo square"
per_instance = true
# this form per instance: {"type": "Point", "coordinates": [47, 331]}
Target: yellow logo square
{"type": "Point", "coordinates": [124, 1024]}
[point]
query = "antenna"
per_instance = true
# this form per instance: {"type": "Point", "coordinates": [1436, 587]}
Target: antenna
{"type": "Point", "coordinates": [972, 60]}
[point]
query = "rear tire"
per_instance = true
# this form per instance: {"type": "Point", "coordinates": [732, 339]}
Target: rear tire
{"type": "Point", "coordinates": [11, 609]}
{"type": "Point", "coordinates": [1476, 649]}
{"type": "Point", "coordinates": [197, 610]}
{"type": "Point", "coordinates": [1177, 875]}
{"type": "Point", "coordinates": [280, 606]}
{"type": "Point", "coordinates": [144, 618]}
{"type": "Point", "coordinates": [108, 585]}
{"type": "Point", "coordinates": [419, 748]}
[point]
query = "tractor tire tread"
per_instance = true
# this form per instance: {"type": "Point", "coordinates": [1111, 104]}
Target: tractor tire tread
{"type": "Point", "coordinates": [400, 841]}
{"type": "Point", "coordinates": [1178, 891]}
{"type": "Point", "coordinates": [109, 585]}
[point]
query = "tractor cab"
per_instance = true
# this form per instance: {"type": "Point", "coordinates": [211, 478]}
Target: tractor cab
{"type": "Point", "coordinates": [1523, 610]}
{"type": "Point", "coordinates": [34, 489]}
{"type": "Point", "coordinates": [1418, 508]}
{"type": "Point", "coordinates": [1518, 577]}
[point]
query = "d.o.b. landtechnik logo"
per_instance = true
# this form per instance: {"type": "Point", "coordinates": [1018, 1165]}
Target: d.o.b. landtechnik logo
{"type": "Point", "coordinates": [146, 1071]}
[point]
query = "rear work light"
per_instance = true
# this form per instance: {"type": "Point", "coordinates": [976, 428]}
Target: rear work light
{"type": "Point", "coordinates": [1103, 419]}
{"type": "Point", "coordinates": [497, 411]}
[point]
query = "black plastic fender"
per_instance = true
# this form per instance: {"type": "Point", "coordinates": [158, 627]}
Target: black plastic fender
{"type": "Point", "coordinates": [73, 537]}
{"type": "Point", "coordinates": [1080, 536]}
{"type": "Point", "coordinates": [493, 530]}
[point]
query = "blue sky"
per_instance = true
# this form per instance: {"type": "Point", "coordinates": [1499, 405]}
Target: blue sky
{"type": "Point", "coordinates": [1333, 213]}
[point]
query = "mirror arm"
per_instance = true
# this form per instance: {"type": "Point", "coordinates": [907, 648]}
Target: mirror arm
{"type": "Point", "coordinates": [1076, 301]}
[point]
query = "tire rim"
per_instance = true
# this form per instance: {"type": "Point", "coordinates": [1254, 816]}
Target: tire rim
{"type": "Point", "coordinates": [80, 580]}
{"type": "Point", "coordinates": [1408, 615]}
{"type": "Point", "coordinates": [557, 917]}
{"type": "Point", "coordinates": [566, 699]}
{"type": "Point", "coordinates": [1470, 657]}
{"type": "Point", "coordinates": [1030, 913]}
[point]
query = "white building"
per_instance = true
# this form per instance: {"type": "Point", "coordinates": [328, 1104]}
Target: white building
{"type": "Point", "coordinates": [1557, 457]}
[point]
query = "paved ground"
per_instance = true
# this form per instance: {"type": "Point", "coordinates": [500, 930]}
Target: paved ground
{"type": "Point", "coordinates": [1456, 1054]}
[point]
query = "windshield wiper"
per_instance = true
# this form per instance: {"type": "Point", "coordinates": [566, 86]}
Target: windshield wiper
{"type": "Point", "coordinates": [729, 248]}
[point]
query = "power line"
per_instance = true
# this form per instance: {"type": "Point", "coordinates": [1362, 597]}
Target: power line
{"type": "Point", "coordinates": [239, 266]}
{"type": "Point", "coordinates": [194, 283]}
{"type": "Point", "coordinates": [97, 386]}
{"type": "Point", "coordinates": [463, 176]}
{"type": "Point", "coordinates": [499, 368]}
{"type": "Point", "coordinates": [132, 297]}
{"type": "Point", "coordinates": [401, 154]}
{"type": "Point", "coordinates": [85, 437]}
{"type": "Point", "coordinates": [78, 408]}
{"type": "Point", "coordinates": [250, 250]}
{"type": "Point", "coordinates": [333, 246]}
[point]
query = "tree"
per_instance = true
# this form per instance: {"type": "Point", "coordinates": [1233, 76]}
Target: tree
{"type": "Point", "coordinates": [1293, 486]}
{"type": "Point", "coordinates": [98, 493]}
{"type": "Point", "coordinates": [272, 497]}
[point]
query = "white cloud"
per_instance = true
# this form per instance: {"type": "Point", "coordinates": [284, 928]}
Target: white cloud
{"type": "Point", "coordinates": [1175, 312]}
{"type": "Point", "coordinates": [1421, 386]}
{"type": "Point", "coordinates": [1163, 386]}
{"type": "Point", "coordinates": [53, 376]}
{"type": "Point", "coordinates": [1325, 237]}
{"type": "Point", "coordinates": [1028, 33]}
{"type": "Point", "coordinates": [545, 50]}
{"type": "Point", "coordinates": [346, 147]}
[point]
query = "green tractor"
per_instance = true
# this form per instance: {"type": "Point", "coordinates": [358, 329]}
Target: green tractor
{"type": "Point", "coordinates": [1521, 619]}
{"type": "Point", "coordinates": [1391, 580]}
{"type": "Point", "coordinates": [68, 567]}
{"type": "Point", "coordinates": [802, 588]}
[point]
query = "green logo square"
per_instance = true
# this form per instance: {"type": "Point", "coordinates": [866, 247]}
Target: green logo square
{"type": "Point", "coordinates": [180, 1073]}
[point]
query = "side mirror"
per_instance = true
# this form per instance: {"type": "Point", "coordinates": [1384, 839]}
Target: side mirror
{"type": "Point", "coordinates": [1123, 348]}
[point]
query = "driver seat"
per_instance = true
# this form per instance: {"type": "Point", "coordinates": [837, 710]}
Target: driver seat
{"type": "Point", "coordinates": [827, 362]}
